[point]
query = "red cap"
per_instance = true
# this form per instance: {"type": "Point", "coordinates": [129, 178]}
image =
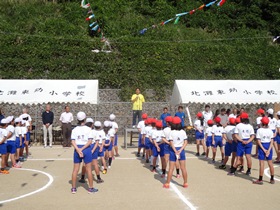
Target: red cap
{"type": "Point", "coordinates": [232, 121]}
{"type": "Point", "coordinates": [237, 120]}
{"type": "Point", "coordinates": [260, 111]}
{"type": "Point", "coordinates": [217, 120]}
{"type": "Point", "coordinates": [265, 120]}
{"type": "Point", "coordinates": [210, 122]}
{"type": "Point", "coordinates": [176, 120]}
{"type": "Point", "coordinates": [168, 119]}
{"type": "Point", "coordinates": [199, 114]}
{"type": "Point", "coordinates": [153, 120]}
{"type": "Point", "coordinates": [144, 116]}
{"type": "Point", "coordinates": [148, 121]}
{"type": "Point", "coordinates": [159, 124]}
{"type": "Point", "coordinates": [244, 115]}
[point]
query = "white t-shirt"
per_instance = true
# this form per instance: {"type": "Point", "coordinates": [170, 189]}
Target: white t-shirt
{"type": "Point", "coordinates": [258, 120]}
{"type": "Point", "coordinates": [245, 131]}
{"type": "Point", "coordinates": [66, 117]}
{"type": "Point", "coordinates": [265, 135]}
{"type": "Point", "coordinates": [208, 131]}
{"type": "Point", "coordinates": [23, 130]}
{"type": "Point", "coordinates": [18, 131]}
{"type": "Point", "coordinates": [110, 134]}
{"type": "Point", "coordinates": [232, 116]}
{"type": "Point", "coordinates": [178, 137]}
{"type": "Point", "coordinates": [158, 135]}
{"type": "Point", "coordinates": [272, 123]}
{"type": "Point", "coordinates": [114, 126]}
{"type": "Point", "coordinates": [278, 124]}
{"type": "Point", "coordinates": [197, 125]}
{"type": "Point", "coordinates": [147, 129]}
{"type": "Point", "coordinates": [11, 129]}
{"type": "Point", "coordinates": [207, 116]}
{"type": "Point", "coordinates": [81, 135]}
{"type": "Point", "coordinates": [3, 133]}
{"type": "Point", "coordinates": [25, 116]}
{"type": "Point", "coordinates": [166, 132]}
{"type": "Point", "coordinates": [218, 131]}
{"type": "Point", "coordinates": [229, 131]}
{"type": "Point", "coordinates": [150, 132]}
{"type": "Point", "coordinates": [141, 126]}
{"type": "Point", "coordinates": [99, 135]}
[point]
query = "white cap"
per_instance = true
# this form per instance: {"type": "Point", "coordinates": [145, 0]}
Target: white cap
{"type": "Point", "coordinates": [24, 116]}
{"type": "Point", "coordinates": [23, 121]}
{"type": "Point", "coordinates": [278, 113]}
{"type": "Point", "coordinates": [9, 119]}
{"type": "Point", "coordinates": [112, 117]}
{"type": "Point", "coordinates": [97, 124]}
{"type": "Point", "coordinates": [270, 111]}
{"type": "Point", "coordinates": [107, 123]}
{"type": "Point", "coordinates": [4, 121]}
{"type": "Point", "coordinates": [81, 116]}
{"type": "Point", "coordinates": [17, 120]}
{"type": "Point", "coordinates": [89, 120]}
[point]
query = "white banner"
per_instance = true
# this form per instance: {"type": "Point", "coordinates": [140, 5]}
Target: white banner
{"type": "Point", "coordinates": [44, 91]}
{"type": "Point", "coordinates": [226, 91]}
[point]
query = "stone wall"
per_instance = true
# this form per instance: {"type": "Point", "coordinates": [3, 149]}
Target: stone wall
{"type": "Point", "coordinates": [110, 103]}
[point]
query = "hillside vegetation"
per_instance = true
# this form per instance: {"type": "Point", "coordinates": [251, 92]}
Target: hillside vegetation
{"type": "Point", "coordinates": [42, 39]}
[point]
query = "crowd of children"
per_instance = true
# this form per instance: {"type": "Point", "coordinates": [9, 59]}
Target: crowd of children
{"type": "Point", "coordinates": [167, 143]}
{"type": "Point", "coordinates": [234, 138]}
{"type": "Point", "coordinates": [92, 141]}
{"type": "Point", "coordinates": [14, 137]}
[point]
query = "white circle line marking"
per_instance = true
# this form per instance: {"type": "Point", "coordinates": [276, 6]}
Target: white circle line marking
{"type": "Point", "coordinates": [268, 175]}
{"type": "Point", "coordinates": [34, 192]}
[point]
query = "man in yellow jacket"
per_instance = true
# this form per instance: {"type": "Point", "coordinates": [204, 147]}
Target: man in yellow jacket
{"type": "Point", "coordinates": [137, 100]}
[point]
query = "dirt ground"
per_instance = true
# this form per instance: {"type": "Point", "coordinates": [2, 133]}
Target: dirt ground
{"type": "Point", "coordinates": [45, 182]}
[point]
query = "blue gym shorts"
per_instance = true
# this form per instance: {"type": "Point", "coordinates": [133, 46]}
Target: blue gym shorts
{"type": "Point", "coordinates": [262, 155]}
{"type": "Point", "coordinates": [166, 149]}
{"type": "Point", "coordinates": [95, 153]}
{"type": "Point", "coordinates": [140, 141]}
{"type": "Point", "coordinates": [110, 147]}
{"type": "Point", "coordinates": [173, 157]}
{"type": "Point", "coordinates": [218, 141]}
{"type": "Point", "coordinates": [147, 143]}
{"type": "Point", "coordinates": [244, 149]}
{"type": "Point", "coordinates": [209, 141]}
{"type": "Point", "coordinates": [87, 155]}
{"type": "Point", "coordinates": [156, 153]}
{"type": "Point", "coordinates": [116, 140]}
{"type": "Point", "coordinates": [11, 147]}
{"type": "Point", "coordinates": [3, 149]}
{"type": "Point", "coordinates": [198, 135]}
{"type": "Point", "coordinates": [228, 149]}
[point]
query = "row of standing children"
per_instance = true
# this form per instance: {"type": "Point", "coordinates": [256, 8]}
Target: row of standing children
{"type": "Point", "coordinates": [239, 135]}
{"type": "Point", "coordinates": [14, 137]}
{"type": "Point", "coordinates": [91, 141]}
{"type": "Point", "coordinates": [169, 143]}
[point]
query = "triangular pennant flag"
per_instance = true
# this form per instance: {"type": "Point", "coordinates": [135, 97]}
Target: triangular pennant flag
{"type": "Point", "coordinates": [177, 20]}
{"type": "Point", "coordinates": [191, 12]}
{"type": "Point", "coordinates": [201, 7]}
{"type": "Point", "coordinates": [181, 14]}
{"type": "Point", "coordinates": [84, 4]}
{"type": "Point", "coordinates": [167, 21]}
{"type": "Point", "coordinates": [210, 4]}
{"type": "Point", "coordinates": [88, 18]}
{"type": "Point", "coordinates": [95, 28]}
{"type": "Point", "coordinates": [221, 3]}
{"type": "Point", "coordinates": [92, 24]}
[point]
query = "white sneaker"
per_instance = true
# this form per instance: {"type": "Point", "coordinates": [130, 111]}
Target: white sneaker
{"type": "Point", "coordinates": [102, 168]}
{"type": "Point", "coordinates": [109, 167]}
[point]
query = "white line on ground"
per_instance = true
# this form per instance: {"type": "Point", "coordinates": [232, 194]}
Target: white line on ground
{"type": "Point", "coordinates": [268, 175]}
{"type": "Point", "coordinates": [180, 195]}
{"type": "Point", "coordinates": [34, 192]}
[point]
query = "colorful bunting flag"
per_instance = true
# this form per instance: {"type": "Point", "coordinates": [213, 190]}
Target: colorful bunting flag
{"type": "Point", "coordinates": [221, 3]}
{"type": "Point", "coordinates": [177, 20]}
{"type": "Point", "coordinates": [177, 16]}
{"type": "Point", "coordinates": [84, 4]}
{"type": "Point", "coordinates": [90, 17]}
